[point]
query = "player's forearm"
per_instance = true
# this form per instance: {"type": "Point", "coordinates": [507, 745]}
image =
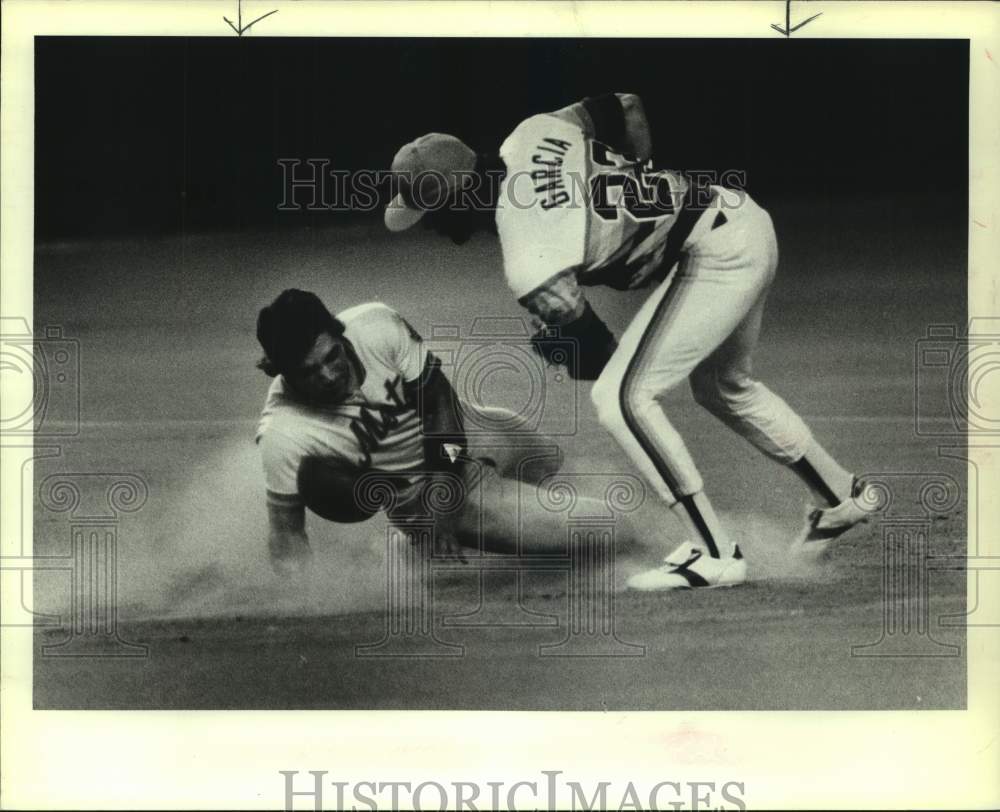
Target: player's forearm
{"type": "Point", "coordinates": [289, 518]}
{"type": "Point", "coordinates": [558, 301]}
{"type": "Point", "coordinates": [591, 344]}
{"type": "Point", "coordinates": [567, 316]}
{"type": "Point", "coordinates": [615, 119]}
{"type": "Point", "coordinates": [638, 137]}
{"type": "Point", "coordinates": [287, 541]}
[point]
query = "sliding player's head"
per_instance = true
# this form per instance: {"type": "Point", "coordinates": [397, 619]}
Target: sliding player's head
{"type": "Point", "coordinates": [305, 343]}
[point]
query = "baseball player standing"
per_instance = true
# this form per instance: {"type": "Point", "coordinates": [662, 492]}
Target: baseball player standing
{"type": "Point", "coordinates": [576, 200]}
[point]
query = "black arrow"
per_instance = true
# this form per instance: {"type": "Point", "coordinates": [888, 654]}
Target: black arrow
{"type": "Point", "coordinates": [789, 28]}
{"type": "Point", "coordinates": [238, 27]}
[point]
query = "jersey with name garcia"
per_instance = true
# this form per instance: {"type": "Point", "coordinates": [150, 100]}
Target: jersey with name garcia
{"type": "Point", "coordinates": [569, 203]}
{"type": "Point", "coordinates": [375, 428]}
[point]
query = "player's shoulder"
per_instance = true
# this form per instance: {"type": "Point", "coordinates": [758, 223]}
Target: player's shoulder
{"type": "Point", "coordinates": [279, 416]}
{"type": "Point", "coordinates": [541, 225]}
{"type": "Point", "coordinates": [538, 130]}
{"type": "Point", "coordinates": [366, 312]}
{"type": "Point", "coordinates": [376, 327]}
{"type": "Point", "coordinates": [368, 320]}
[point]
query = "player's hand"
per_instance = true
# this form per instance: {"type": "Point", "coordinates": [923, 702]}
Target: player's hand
{"type": "Point", "coordinates": [591, 339]}
{"type": "Point", "coordinates": [436, 495]}
{"type": "Point", "coordinates": [446, 546]}
{"type": "Point", "coordinates": [291, 554]}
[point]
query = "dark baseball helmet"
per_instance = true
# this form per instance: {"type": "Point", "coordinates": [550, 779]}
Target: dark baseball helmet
{"type": "Point", "coordinates": [288, 327]}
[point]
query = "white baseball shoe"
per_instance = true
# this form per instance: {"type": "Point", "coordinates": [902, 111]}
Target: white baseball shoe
{"type": "Point", "coordinates": [690, 566]}
{"type": "Point", "coordinates": [824, 525]}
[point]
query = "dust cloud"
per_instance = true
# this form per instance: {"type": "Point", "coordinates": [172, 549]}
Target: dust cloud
{"type": "Point", "coordinates": [205, 552]}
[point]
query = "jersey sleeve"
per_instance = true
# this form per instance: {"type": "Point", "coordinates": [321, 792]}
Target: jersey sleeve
{"type": "Point", "coordinates": [281, 456]}
{"type": "Point", "coordinates": [398, 346]}
{"type": "Point", "coordinates": [541, 216]}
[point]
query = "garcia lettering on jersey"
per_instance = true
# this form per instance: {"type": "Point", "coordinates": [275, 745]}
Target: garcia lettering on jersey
{"type": "Point", "coordinates": [541, 232]}
{"type": "Point", "coordinates": [571, 203]}
{"type": "Point", "coordinates": [376, 428]}
{"type": "Point", "coordinates": [550, 182]}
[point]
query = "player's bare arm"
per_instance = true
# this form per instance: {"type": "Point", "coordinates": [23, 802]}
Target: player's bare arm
{"type": "Point", "coordinates": [616, 119]}
{"type": "Point", "coordinates": [639, 136]}
{"type": "Point", "coordinates": [287, 541]}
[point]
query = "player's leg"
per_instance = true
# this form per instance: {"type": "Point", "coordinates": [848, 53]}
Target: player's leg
{"type": "Point", "coordinates": [682, 323]}
{"type": "Point", "coordinates": [724, 384]}
{"type": "Point", "coordinates": [518, 517]}
{"type": "Point", "coordinates": [512, 508]}
{"type": "Point", "coordinates": [514, 447]}
{"type": "Point", "coordinates": [502, 509]}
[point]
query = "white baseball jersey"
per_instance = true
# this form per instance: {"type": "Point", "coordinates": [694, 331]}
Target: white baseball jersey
{"type": "Point", "coordinates": [375, 428]}
{"type": "Point", "coordinates": [572, 210]}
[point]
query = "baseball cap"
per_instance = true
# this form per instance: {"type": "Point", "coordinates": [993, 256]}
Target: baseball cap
{"type": "Point", "coordinates": [426, 170]}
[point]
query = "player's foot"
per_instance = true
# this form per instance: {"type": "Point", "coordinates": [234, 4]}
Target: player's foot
{"type": "Point", "coordinates": [690, 566]}
{"type": "Point", "coordinates": [290, 556]}
{"type": "Point", "coordinates": [825, 525]}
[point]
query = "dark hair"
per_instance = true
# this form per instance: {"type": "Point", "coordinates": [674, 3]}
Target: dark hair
{"type": "Point", "coordinates": [288, 327]}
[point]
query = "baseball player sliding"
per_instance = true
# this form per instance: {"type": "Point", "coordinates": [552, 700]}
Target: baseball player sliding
{"type": "Point", "coordinates": [359, 394]}
{"type": "Point", "coordinates": [576, 201]}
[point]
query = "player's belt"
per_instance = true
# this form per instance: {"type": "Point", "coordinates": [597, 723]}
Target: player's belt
{"type": "Point", "coordinates": [618, 275]}
{"type": "Point", "coordinates": [684, 225]}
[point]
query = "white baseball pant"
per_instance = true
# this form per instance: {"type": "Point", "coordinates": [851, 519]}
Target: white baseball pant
{"type": "Point", "coordinates": [701, 323]}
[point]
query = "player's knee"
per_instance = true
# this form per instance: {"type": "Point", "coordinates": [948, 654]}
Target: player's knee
{"type": "Point", "coordinates": [468, 521]}
{"type": "Point", "coordinates": [614, 399]}
{"type": "Point", "coordinates": [534, 468]}
{"type": "Point", "coordinates": [599, 392]}
{"type": "Point", "coordinates": [605, 395]}
{"type": "Point", "coordinates": [705, 389]}
{"type": "Point", "coordinates": [721, 394]}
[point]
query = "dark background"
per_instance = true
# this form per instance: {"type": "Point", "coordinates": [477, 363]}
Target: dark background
{"type": "Point", "coordinates": [166, 135]}
{"type": "Point", "coordinates": [160, 240]}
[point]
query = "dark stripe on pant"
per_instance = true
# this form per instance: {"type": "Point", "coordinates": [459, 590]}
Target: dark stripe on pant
{"type": "Point", "coordinates": [811, 475]}
{"type": "Point", "coordinates": [699, 522]}
{"type": "Point", "coordinates": [634, 425]}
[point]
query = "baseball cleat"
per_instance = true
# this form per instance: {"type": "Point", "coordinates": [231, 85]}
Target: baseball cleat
{"type": "Point", "coordinates": [688, 567]}
{"type": "Point", "coordinates": [823, 525]}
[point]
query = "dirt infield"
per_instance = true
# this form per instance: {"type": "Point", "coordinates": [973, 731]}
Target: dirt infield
{"type": "Point", "coordinates": [169, 394]}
